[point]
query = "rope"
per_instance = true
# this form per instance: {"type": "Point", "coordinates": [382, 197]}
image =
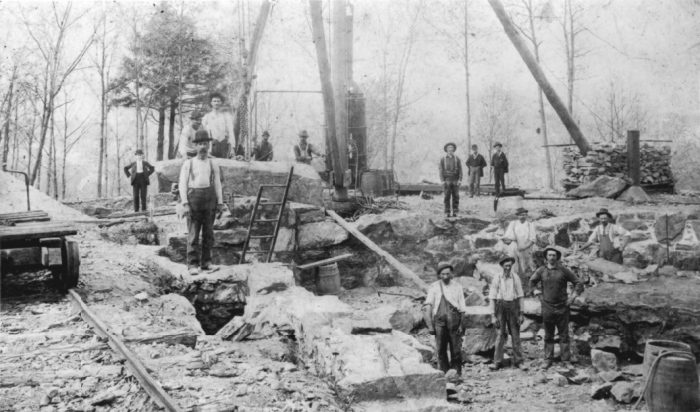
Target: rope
{"type": "Point", "coordinates": [652, 372]}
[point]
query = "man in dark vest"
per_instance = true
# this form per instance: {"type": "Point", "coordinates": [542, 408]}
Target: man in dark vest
{"type": "Point", "coordinates": [139, 171]}
{"type": "Point", "coordinates": [451, 178]}
{"type": "Point", "coordinates": [499, 164]}
{"type": "Point", "coordinates": [263, 151]}
{"type": "Point", "coordinates": [555, 300]}
{"type": "Point", "coordinates": [475, 169]}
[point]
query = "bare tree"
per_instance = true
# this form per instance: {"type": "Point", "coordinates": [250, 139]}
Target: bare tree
{"type": "Point", "coordinates": [70, 137]}
{"type": "Point", "coordinates": [619, 111]}
{"type": "Point", "coordinates": [497, 117]}
{"type": "Point", "coordinates": [572, 28]}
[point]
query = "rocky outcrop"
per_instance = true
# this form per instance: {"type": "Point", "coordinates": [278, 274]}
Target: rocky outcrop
{"type": "Point", "coordinates": [244, 178]}
{"type": "Point", "coordinates": [322, 234]}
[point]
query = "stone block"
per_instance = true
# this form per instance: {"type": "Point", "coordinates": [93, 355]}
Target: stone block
{"type": "Point", "coordinates": [476, 317]}
{"type": "Point", "coordinates": [440, 244]}
{"type": "Point", "coordinates": [608, 342]}
{"type": "Point", "coordinates": [603, 186]}
{"type": "Point", "coordinates": [320, 234]}
{"type": "Point", "coordinates": [690, 238]}
{"type": "Point", "coordinates": [669, 227]}
{"type": "Point", "coordinates": [603, 361]}
{"type": "Point", "coordinates": [478, 340]}
{"type": "Point", "coordinates": [286, 240]}
{"type": "Point", "coordinates": [264, 278]}
{"type": "Point", "coordinates": [485, 241]}
{"type": "Point", "coordinates": [624, 392]}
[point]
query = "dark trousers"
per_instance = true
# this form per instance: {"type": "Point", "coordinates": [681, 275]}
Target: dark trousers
{"type": "Point", "coordinates": [451, 196]}
{"type": "Point", "coordinates": [508, 314]}
{"type": "Point", "coordinates": [500, 175]}
{"type": "Point", "coordinates": [559, 319]}
{"type": "Point", "coordinates": [140, 188]}
{"type": "Point", "coordinates": [202, 203]}
{"type": "Point", "coordinates": [220, 149]}
{"type": "Point", "coordinates": [474, 181]}
{"type": "Point", "coordinates": [447, 334]}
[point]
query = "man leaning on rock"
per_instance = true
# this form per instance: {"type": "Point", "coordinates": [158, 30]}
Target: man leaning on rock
{"type": "Point", "coordinates": [443, 311]}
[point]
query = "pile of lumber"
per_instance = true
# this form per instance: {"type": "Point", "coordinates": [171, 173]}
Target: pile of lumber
{"type": "Point", "coordinates": [611, 160]}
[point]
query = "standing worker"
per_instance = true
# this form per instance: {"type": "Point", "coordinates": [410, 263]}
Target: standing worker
{"type": "Point", "coordinates": [555, 301]}
{"type": "Point", "coordinates": [187, 148]}
{"type": "Point", "coordinates": [263, 150]}
{"type": "Point", "coordinates": [499, 164]}
{"type": "Point", "coordinates": [521, 237]}
{"type": "Point", "coordinates": [219, 123]}
{"type": "Point", "coordinates": [507, 306]}
{"type": "Point", "coordinates": [304, 150]}
{"type": "Point", "coordinates": [611, 238]}
{"type": "Point", "coordinates": [475, 168]}
{"type": "Point", "coordinates": [442, 311]}
{"type": "Point", "coordinates": [451, 178]}
{"type": "Point", "coordinates": [139, 172]}
{"type": "Point", "coordinates": [200, 191]}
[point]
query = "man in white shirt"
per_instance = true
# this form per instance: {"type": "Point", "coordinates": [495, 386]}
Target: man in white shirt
{"type": "Point", "coordinates": [610, 237]}
{"type": "Point", "coordinates": [443, 309]}
{"type": "Point", "coordinates": [506, 304]}
{"type": "Point", "coordinates": [219, 124]}
{"type": "Point", "coordinates": [200, 191]}
{"type": "Point", "coordinates": [521, 237]}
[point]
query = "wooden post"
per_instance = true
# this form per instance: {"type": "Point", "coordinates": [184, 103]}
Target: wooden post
{"type": "Point", "coordinates": [633, 160]}
{"type": "Point", "coordinates": [540, 77]}
{"type": "Point", "coordinates": [339, 56]}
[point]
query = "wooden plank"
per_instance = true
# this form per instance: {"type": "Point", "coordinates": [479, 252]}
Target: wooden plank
{"type": "Point", "coordinates": [149, 384]}
{"type": "Point", "coordinates": [400, 267]}
{"type": "Point", "coordinates": [324, 261]}
{"type": "Point", "coordinates": [25, 213]}
{"type": "Point", "coordinates": [38, 218]}
{"type": "Point", "coordinates": [33, 232]}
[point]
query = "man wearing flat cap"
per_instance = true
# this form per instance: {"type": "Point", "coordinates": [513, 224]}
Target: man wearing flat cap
{"type": "Point", "coordinates": [499, 164]}
{"type": "Point", "coordinates": [200, 191]}
{"type": "Point", "coordinates": [186, 145]}
{"type": "Point", "coordinates": [611, 238]}
{"type": "Point", "coordinates": [554, 277]}
{"type": "Point", "coordinates": [521, 236]}
{"type": "Point", "coordinates": [506, 304]}
{"type": "Point", "coordinates": [139, 173]}
{"type": "Point", "coordinates": [451, 178]}
{"type": "Point", "coordinates": [304, 151]}
{"type": "Point", "coordinates": [443, 309]}
{"type": "Point", "coordinates": [263, 150]}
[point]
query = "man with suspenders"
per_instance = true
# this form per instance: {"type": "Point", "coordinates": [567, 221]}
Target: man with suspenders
{"type": "Point", "coordinates": [200, 191]}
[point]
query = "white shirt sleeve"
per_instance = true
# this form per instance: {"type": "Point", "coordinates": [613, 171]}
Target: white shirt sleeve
{"type": "Point", "coordinates": [217, 182]}
{"type": "Point", "coordinates": [184, 180]}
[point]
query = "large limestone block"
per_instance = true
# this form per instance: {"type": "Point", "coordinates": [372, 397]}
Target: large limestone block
{"type": "Point", "coordinates": [244, 178]}
{"type": "Point", "coordinates": [603, 186]}
{"type": "Point", "coordinates": [476, 317]}
{"type": "Point", "coordinates": [684, 163]}
{"type": "Point", "coordinates": [669, 227]}
{"type": "Point", "coordinates": [320, 234]}
{"type": "Point", "coordinates": [690, 239]}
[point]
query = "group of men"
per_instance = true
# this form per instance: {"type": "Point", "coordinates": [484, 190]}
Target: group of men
{"type": "Point", "coordinates": [445, 303]}
{"type": "Point", "coordinates": [450, 168]}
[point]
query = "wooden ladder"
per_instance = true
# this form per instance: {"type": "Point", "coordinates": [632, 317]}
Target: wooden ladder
{"type": "Point", "coordinates": [254, 219]}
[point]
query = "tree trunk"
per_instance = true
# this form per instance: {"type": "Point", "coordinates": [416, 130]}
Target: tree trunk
{"type": "Point", "coordinates": [54, 168]}
{"type": "Point", "coordinates": [540, 77]}
{"type": "Point", "coordinates": [100, 162]}
{"type": "Point", "coordinates": [161, 133]}
{"type": "Point", "coordinates": [466, 75]}
{"type": "Point", "coordinates": [119, 156]}
{"type": "Point", "coordinates": [15, 149]}
{"type": "Point", "coordinates": [171, 129]}
{"type": "Point", "coordinates": [8, 115]}
{"type": "Point", "coordinates": [339, 76]}
{"type": "Point", "coordinates": [43, 131]}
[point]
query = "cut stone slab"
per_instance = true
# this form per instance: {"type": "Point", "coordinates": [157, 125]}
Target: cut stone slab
{"type": "Point", "coordinates": [669, 227]}
{"type": "Point", "coordinates": [320, 234]}
{"type": "Point", "coordinates": [603, 186]}
{"type": "Point", "coordinates": [603, 361]}
{"type": "Point", "coordinates": [478, 340]}
{"type": "Point", "coordinates": [244, 178]}
{"type": "Point", "coordinates": [624, 392]}
{"type": "Point", "coordinates": [604, 267]}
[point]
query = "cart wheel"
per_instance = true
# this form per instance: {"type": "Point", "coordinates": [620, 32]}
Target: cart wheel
{"type": "Point", "coordinates": [70, 260]}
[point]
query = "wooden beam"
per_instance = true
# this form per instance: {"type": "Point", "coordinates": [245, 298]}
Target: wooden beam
{"type": "Point", "coordinates": [340, 54]}
{"type": "Point", "coordinates": [633, 159]}
{"type": "Point", "coordinates": [153, 388]}
{"type": "Point", "coordinates": [325, 262]}
{"type": "Point", "coordinates": [540, 77]}
{"type": "Point", "coordinates": [400, 267]}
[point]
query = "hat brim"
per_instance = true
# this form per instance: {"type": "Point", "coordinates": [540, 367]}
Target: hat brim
{"type": "Point", "coordinates": [506, 260]}
{"type": "Point", "coordinates": [449, 144]}
{"type": "Point", "coordinates": [553, 250]}
{"type": "Point", "coordinates": [604, 213]}
{"type": "Point", "coordinates": [521, 212]}
{"type": "Point", "coordinates": [440, 269]}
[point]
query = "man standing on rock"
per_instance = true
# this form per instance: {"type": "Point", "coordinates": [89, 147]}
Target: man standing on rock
{"type": "Point", "coordinates": [200, 191]}
{"type": "Point", "coordinates": [499, 164]}
{"type": "Point", "coordinates": [521, 237]}
{"type": "Point", "coordinates": [506, 304]}
{"type": "Point", "coordinates": [139, 172]}
{"type": "Point", "coordinates": [475, 165]}
{"type": "Point", "coordinates": [451, 178]}
{"type": "Point", "coordinates": [443, 309]}
{"type": "Point", "coordinates": [219, 123]}
{"type": "Point", "coordinates": [555, 302]}
{"type": "Point", "coordinates": [611, 238]}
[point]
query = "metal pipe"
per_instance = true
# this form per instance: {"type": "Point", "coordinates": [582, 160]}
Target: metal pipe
{"type": "Point", "coordinates": [26, 184]}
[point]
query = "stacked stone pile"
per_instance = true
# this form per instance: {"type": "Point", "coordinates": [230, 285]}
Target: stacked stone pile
{"type": "Point", "coordinates": [611, 160]}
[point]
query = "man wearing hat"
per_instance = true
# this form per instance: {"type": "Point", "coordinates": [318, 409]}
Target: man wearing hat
{"type": "Point", "coordinates": [200, 191]}
{"type": "Point", "coordinates": [443, 309]}
{"type": "Point", "coordinates": [219, 123]}
{"type": "Point", "coordinates": [186, 145]}
{"type": "Point", "coordinates": [139, 172]}
{"type": "Point", "coordinates": [521, 237]}
{"type": "Point", "coordinates": [611, 238]}
{"type": "Point", "coordinates": [304, 150]}
{"type": "Point", "coordinates": [451, 178]}
{"type": "Point", "coordinates": [263, 150]}
{"type": "Point", "coordinates": [475, 169]}
{"type": "Point", "coordinates": [555, 301]}
{"type": "Point", "coordinates": [499, 164]}
{"type": "Point", "coordinates": [506, 304]}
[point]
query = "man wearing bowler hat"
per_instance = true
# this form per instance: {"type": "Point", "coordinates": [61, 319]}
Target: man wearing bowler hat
{"type": "Point", "coordinates": [555, 301]}
{"type": "Point", "coordinates": [139, 172]}
{"type": "Point", "coordinates": [200, 191]}
{"type": "Point", "coordinates": [499, 164]}
{"type": "Point", "coordinates": [451, 178]}
{"type": "Point", "coordinates": [506, 304]}
{"type": "Point", "coordinates": [263, 150]}
{"type": "Point", "coordinates": [611, 238]}
{"type": "Point", "coordinates": [443, 309]}
{"type": "Point", "coordinates": [304, 151]}
{"type": "Point", "coordinates": [475, 169]}
{"type": "Point", "coordinates": [521, 237]}
{"type": "Point", "coordinates": [187, 148]}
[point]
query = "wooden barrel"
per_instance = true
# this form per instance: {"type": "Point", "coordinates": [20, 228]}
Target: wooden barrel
{"type": "Point", "coordinates": [654, 347]}
{"type": "Point", "coordinates": [377, 182]}
{"type": "Point", "coordinates": [328, 280]}
{"type": "Point", "coordinates": [673, 384]}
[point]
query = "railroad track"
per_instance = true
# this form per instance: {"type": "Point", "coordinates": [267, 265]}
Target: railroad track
{"type": "Point", "coordinates": [56, 343]}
